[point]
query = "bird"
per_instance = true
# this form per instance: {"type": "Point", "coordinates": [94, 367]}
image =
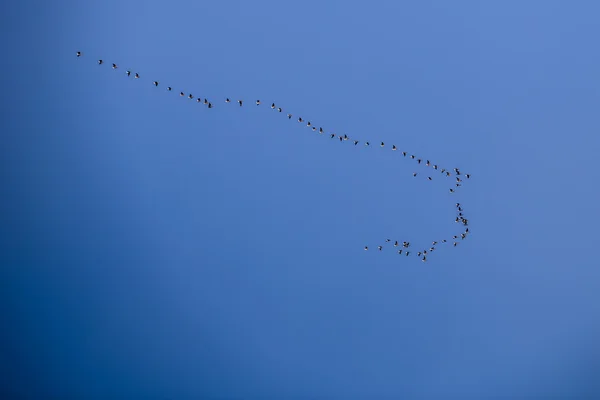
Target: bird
{"type": "Point", "coordinates": [314, 128]}
{"type": "Point", "coordinates": [137, 75]}
{"type": "Point", "coordinates": [424, 258]}
{"type": "Point", "coordinates": [169, 88]}
{"type": "Point", "coordinates": [404, 153]}
{"type": "Point", "coordinates": [78, 54]}
{"type": "Point", "coordinates": [434, 243]}
{"type": "Point", "coordinates": [205, 101]}
{"type": "Point", "coordinates": [300, 119]}
{"type": "Point", "coordinates": [273, 106]}
{"type": "Point", "coordinates": [451, 190]}
{"type": "Point", "coordinates": [427, 163]}
{"type": "Point", "coordinates": [227, 100]}
{"type": "Point", "coordinates": [455, 244]}
{"type": "Point", "coordinates": [382, 144]}
{"type": "Point", "coordinates": [366, 248]}
{"type": "Point", "coordinates": [114, 66]}
{"type": "Point", "coordinates": [435, 167]}
{"type": "Point", "coordinates": [345, 137]}
{"type": "Point", "coordinates": [419, 254]}
{"type": "Point", "coordinates": [400, 251]}
{"type": "Point", "coordinates": [388, 240]}
{"type": "Point", "coordinates": [320, 130]}
{"type": "Point", "coordinates": [407, 253]}
{"type": "Point", "coordinates": [379, 248]}
{"type": "Point", "coordinates": [100, 62]}
{"type": "Point", "coordinates": [341, 138]}
{"type": "Point", "coordinates": [280, 109]}
{"type": "Point", "coordinates": [355, 142]}
{"type": "Point", "coordinates": [468, 176]}
{"type": "Point", "coordinates": [394, 147]}
{"type": "Point", "coordinates": [289, 116]}
{"type": "Point", "coordinates": [414, 174]}
{"type": "Point", "coordinates": [155, 83]}
{"type": "Point", "coordinates": [257, 102]}
{"type": "Point", "coordinates": [181, 94]}
{"type": "Point", "coordinates": [198, 100]}
{"type": "Point", "coordinates": [190, 96]}
{"type": "Point", "coordinates": [332, 135]}
{"type": "Point", "coordinates": [209, 105]}
{"type": "Point", "coordinates": [419, 161]}
{"type": "Point", "coordinates": [366, 143]}
{"type": "Point", "coordinates": [396, 243]}
{"type": "Point", "coordinates": [240, 102]}
{"type": "Point", "coordinates": [412, 156]}
{"type": "Point", "coordinates": [308, 123]}
{"type": "Point", "coordinates": [429, 177]}
{"type": "Point", "coordinates": [128, 73]}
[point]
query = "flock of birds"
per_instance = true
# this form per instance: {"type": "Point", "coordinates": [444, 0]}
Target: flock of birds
{"type": "Point", "coordinates": [454, 175]}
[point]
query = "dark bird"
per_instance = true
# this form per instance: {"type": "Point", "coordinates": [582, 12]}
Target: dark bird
{"type": "Point", "coordinates": [78, 54]}
{"type": "Point", "coordinates": [240, 102]}
{"type": "Point", "coordinates": [100, 62]}
{"type": "Point", "coordinates": [128, 73]}
{"type": "Point", "coordinates": [137, 75]}
{"type": "Point", "coordinates": [257, 102]}
{"type": "Point", "coordinates": [273, 106]}
{"type": "Point", "coordinates": [155, 83]}
{"type": "Point", "coordinates": [227, 100]}
{"type": "Point", "coordinates": [115, 66]}
{"type": "Point", "coordinates": [289, 116]}
{"type": "Point", "coordinates": [355, 142]}
{"type": "Point", "coordinates": [169, 88]}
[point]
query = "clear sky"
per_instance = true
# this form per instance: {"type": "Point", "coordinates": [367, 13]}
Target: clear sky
{"type": "Point", "coordinates": [155, 249]}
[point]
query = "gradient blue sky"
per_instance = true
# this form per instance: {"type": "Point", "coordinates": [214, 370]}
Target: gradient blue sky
{"type": "Point", "coordinates": [154, 249]}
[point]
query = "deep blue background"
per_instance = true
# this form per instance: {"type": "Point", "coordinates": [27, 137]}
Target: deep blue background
{"type": "Point", "coordinates": [151, 248]}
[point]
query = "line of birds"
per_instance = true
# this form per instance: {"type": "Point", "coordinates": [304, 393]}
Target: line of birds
{"type": "Point", "coordinates": [448, 173]}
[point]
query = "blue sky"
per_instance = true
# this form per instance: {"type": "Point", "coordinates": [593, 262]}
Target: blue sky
{"type": "Point", "coordinates": [152, 248]}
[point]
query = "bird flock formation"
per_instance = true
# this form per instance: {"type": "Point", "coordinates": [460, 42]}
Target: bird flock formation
{"type": "Point", "coordinates": [453, 176]}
